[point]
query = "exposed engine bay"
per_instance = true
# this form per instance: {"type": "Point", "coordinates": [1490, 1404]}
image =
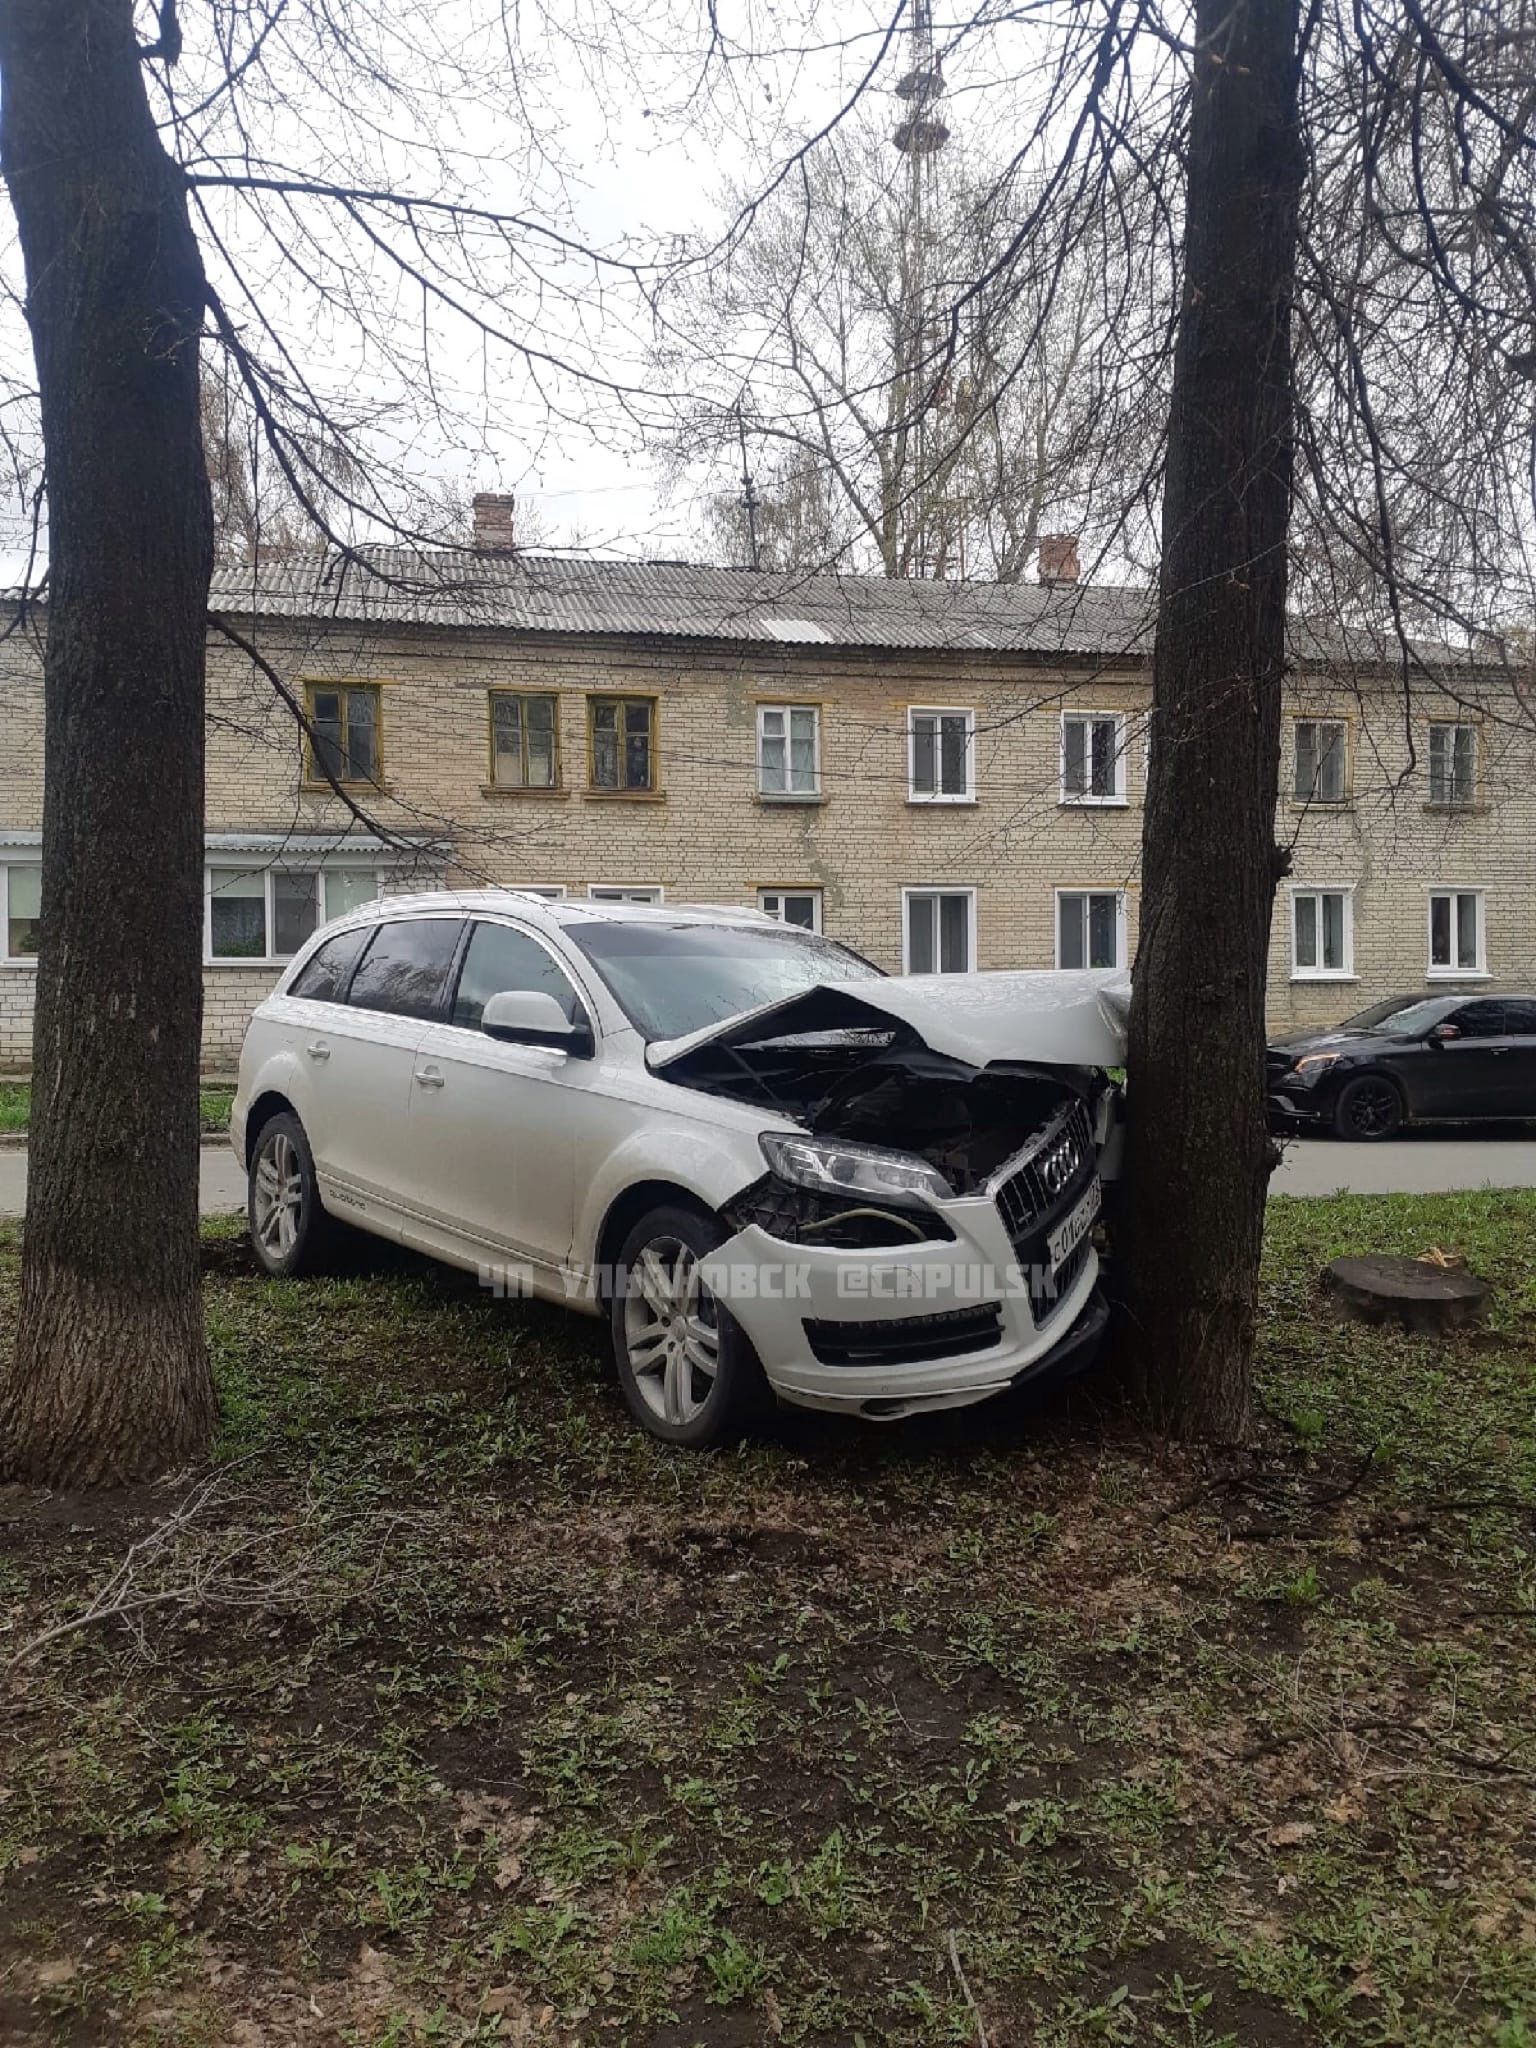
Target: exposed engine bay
{"type": "Point", "coordinates": [872, 1089]}
{"type": "Point", "coordinates": [843, 1071]}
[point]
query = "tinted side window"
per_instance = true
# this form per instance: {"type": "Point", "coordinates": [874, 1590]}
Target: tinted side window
{"type": "Point", "coordinates": [1479, 1020]}
{"type": "Point", "coordinates": [1520, 1019]}
{"type": "Point", "coordinates": [324, 974]}
{"type": "Point", "coordinates": [405, 970]}
{"type": "Point", "coordinates": [499, 958]}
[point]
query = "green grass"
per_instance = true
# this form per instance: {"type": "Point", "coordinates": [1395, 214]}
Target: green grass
{"type": "Point", "coordinates": [16, 1104]}
{"type": "Point", "coordinates": [499, 1721]}
{"type": "Point", "coordinates": [213, 1108]}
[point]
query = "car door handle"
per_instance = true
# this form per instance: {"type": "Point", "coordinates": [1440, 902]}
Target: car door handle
{"type": "Point", "coordinates": [428, 1077]}
{"type": "Point", "coordinates": [319, 1050]}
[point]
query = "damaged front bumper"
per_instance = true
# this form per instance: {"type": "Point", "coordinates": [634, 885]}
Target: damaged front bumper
{"type": "Point", "coordinates": [884, 1333]}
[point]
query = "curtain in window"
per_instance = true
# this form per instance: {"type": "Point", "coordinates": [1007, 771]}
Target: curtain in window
{"type": "Point", "coordinates": [24, 913]}
{"type": "Point", "coordinates": [774, 780]}
{"type": "Point", "coordinates": [1319, 762]}
{"type": "Point", "coordinates": [637, 746]}
{"type": "Point", "coordinates": [924, 757]}
{"type": "Point", "coordinates": [362, 743]}
{"type": "Point", "coordinates": [1088, 929]}
{"type": "Point", "coordinates": [621, 743]}
{"type": "Point", "coordinates": [238, 916]}
{"type": "Point", "coordinates": [952, 756]}
{"type": "Point", "coordinates": [1452, 764]}
{"type": "Point", "coordinates": [1074, 772]}
{"type": "Point", "coordinates": [802, 749]}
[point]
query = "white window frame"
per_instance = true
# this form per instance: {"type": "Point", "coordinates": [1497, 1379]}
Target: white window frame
{"type": "Point", "coordinates": [1450, 727]}
{"type": "Point", "coordinates": [810, 890]}
{"type": "Point", "coordinates": [1319, 890]}
{"type": "Point", "coordinates": [233, 864]}
{"type": "Point", "coordinates": [1118, 798]}
{"type": "Point", "coordinates": [626, 892]}
{"type": "Point", "coordinates": [1121, 929]}
{"type": "Point", "coordinates": [940, 796]}
{"type": "Point", "coordinates": [935, 890]}
{"type": "Point", "coordinates": [7, 957]}
{"type": "Point", "coordinates": [1346, 779]}
{"type": "Point", "coordinates": [552, 892]}
{"type": "Point", "coordinates": [788, 795]}
{"type": "Point", "coordinates": [1479, 970]}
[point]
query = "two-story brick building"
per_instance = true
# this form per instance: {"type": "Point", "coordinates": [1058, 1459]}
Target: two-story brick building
{"type": "Point", "coordinates": [946, 775]}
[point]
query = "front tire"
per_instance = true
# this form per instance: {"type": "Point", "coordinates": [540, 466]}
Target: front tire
{"type": "Point", "coordinates": [1368, 1109]}
{"type": "Point", "coordinates": [687, 1370]}
{"type": "Point", "coordinates": [291, 1233]}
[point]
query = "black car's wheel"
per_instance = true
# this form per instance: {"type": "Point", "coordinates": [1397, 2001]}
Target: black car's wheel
{"type": "Point", "coordinates": [290, 1231]}
{"type": "Point", "coordinates": [1368, 1108]}
{"type": "Point", "coordinates": [686, 1367]}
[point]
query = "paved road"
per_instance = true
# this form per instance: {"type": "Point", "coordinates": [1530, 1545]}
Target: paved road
{"type": "Point", "coordinates": [222, 1190]}
{"type": "Point", "coordinates": [1406, 1166]}
{"type": "Point", "coordinates": [1313, 1166]}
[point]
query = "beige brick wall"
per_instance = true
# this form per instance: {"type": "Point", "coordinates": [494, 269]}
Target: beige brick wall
{"type": "Point", "coordinates": [710, 837]}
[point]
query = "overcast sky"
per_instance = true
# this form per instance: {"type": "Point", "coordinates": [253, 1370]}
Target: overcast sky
{"type": "Point", "coordinates": [615, 122]}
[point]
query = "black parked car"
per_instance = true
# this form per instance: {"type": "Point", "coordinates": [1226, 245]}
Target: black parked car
{"type": "Point", "coordinates": [1444, 1057]}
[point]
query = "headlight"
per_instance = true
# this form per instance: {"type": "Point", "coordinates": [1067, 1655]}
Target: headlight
{"type": "Point", "coordinates": [1317, 1059]}
{"type": "Point", "coordinates": [834, 1169]}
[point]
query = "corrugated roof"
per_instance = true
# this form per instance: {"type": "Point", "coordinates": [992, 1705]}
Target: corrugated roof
{"type": "Point", "coordinates": [518, 593]}
{"type": "Point", "coordinates": [548, 594]}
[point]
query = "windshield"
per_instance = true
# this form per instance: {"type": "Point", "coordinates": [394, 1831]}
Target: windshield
{"type": "Point", "coordinates": [673, 979]}
{"type": "Point", "coordinates": [1378, 1013]}
{"type": "Point", "coordinates": [1416, 1019]}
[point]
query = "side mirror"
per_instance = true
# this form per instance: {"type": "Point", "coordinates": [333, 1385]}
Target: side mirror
{"type": "Point", "coordinates": [1442, 1034]}
{"type": "Point", "coordinates": [526, 1016]}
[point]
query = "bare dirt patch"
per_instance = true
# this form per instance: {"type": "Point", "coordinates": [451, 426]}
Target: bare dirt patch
{"type": "Point", "coordinates": [471, 1715]}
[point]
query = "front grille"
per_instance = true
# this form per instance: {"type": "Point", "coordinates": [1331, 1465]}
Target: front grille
{"type": "Point", "coordinates": [906, 1340]}
{"type": "Point", "coordinates": [1060, 1162]}
{"type": "Point", "coordinates": [1037, 1194]}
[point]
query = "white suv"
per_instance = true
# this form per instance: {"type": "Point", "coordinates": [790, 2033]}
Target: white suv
{"type": "Point", "coordinates": [774, 1170]}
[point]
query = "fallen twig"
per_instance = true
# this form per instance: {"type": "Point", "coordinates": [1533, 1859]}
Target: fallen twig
{"type": "Point", "coordinates": [970, 1999]}
{"type": "Point", "coordinates": [164, 1569]}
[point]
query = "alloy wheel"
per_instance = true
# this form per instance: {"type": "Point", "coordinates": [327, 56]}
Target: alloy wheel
{"type": "Point", "coordinates": [671, 1330]}
{"type": "Point", "coordinates": [277, 1206]}
{"type": "Point", "coordinates": [1372, 1109]}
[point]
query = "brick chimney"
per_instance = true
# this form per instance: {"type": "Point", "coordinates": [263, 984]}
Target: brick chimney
{"type": "Point", "coordinates": [492, 514]}
{"type": "Point", "coordinates": [1058, 558]}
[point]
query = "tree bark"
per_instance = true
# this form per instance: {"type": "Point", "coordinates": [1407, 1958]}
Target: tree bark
{"type": "Point", "coordinates": [109, 1380]}
{"type": "Point", "coordinates": [1197, 1159]}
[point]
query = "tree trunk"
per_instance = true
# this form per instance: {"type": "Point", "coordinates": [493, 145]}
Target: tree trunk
{"type": "Point", "coordinates": [110, 1378]}
{"type": "Point", "coordinates": [1197, 1160]}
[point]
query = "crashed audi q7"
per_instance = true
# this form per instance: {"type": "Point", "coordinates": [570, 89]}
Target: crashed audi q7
{"type": "Point", "coordinates": [776, 1173]}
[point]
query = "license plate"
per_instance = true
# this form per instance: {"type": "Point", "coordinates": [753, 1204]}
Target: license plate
{"type": "Point", "coordinates": [1070, 1232]}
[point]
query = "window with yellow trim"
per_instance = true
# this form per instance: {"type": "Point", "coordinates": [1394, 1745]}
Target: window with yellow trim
{"type": "Point", "coordinates": [344, 738]}
{"type": "Point", "coordinates": [525, 740]}
{"type": "Point", "coordinates": [622, 734]}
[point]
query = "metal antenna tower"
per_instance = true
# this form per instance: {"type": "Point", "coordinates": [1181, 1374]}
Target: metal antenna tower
{"type": "Point", "coordinates": [920, 135]}
{"type": "Point", "coordinates": [749, 498]}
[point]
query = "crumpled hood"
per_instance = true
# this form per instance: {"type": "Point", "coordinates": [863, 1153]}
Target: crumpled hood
{"type": "Point", "coordinates": [1055, 1018]}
